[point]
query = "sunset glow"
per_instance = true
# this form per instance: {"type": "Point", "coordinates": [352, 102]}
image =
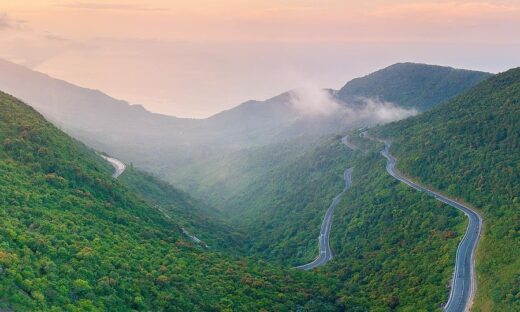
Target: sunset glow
{"type": "Point", "coordinates": [195, 58]}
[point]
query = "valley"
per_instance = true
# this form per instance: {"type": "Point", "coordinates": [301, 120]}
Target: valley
{"type": "Point", "coordinates": [259, 156]}
{"type": "Point", "coordinates": [246, 214]}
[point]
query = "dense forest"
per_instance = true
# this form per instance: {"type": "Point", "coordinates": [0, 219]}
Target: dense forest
{"type": "Point", "coordinates": [394, 247]}
{"type": "Point", "coordinates": [390, 242]}
{"type": "Point", "coordinates": [197, 217]}
{"type": "Point", "coordinates": [73, 238]}
{"type": "Point", "coordinates": [469, 148]}
{"type": "Point", "coordinates": [273, 209]}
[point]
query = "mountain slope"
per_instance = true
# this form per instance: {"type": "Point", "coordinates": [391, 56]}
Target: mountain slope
{"type": "Point", "coordinates": [199, 219]}
{"type": "Point", "coordinates": [223, 176]}
{"type": "Point", "coordinates": [469, 148]}
{"type": "Point", "coordinates": [393, 248]}
{"type": "Point", "coordinates": [71, 237]}
{"type": "Point", "coordinates": [273, 208]}
{"type": "Point", "coordinates": [412, 85]}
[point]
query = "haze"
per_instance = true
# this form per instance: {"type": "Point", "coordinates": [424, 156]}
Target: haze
{"type": "Point", "coordinates": [196, 58]}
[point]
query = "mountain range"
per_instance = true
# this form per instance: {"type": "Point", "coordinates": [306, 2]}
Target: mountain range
{"type": "Point", "coordinates": [253, 184]}
{"type": "Point", "coordinates": [164, 145]}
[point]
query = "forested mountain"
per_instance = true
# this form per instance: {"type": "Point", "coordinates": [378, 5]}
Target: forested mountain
{"type": "Point", "coordinates": [412, 85]}
{"type": "Point", "coordinates": [221, 178]}
{"type": "Point", "coordinates": [469, 148]}
{"type": "Point", "coordinates": [71, 237]}
{"type": "Point", "coordinates": [394, 248]}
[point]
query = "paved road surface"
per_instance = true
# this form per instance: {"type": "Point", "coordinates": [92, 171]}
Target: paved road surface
{"type": "Point", "coordinates": [194, 238]}
{"type": "Point", "coordinates": [464, 279]}
{"type": "Point", "coordinates": [346, 141]}
{"type": "Point", "coordinates": [324, 243]}
{"type": "Point", "coordinates": [119, 166]}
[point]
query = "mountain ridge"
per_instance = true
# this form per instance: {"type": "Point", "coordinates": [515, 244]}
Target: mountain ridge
{"type": "Point", "coordinates": [439, 83]}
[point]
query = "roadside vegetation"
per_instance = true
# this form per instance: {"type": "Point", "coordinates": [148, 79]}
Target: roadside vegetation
{"type": "Point", "coordinates": [394, 247]}
{"type": "Point", "coordinates": [469, 148]}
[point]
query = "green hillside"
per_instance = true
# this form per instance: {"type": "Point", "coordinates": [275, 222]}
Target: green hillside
{"type": "Point", "coordinates": [469, 148]}
{"type": "Point", "coordinates": [220, 178]}
{"type": "Point", "coordinates": [194, 215]}
{"type": "Point", "coordinates": [411, 85]}
{"type": "Point", "coordinates": [394, 247]}
{"type": "Point", "coordinates": [73, 238]}
{"type": "Point", "coordinates": [273, 209]}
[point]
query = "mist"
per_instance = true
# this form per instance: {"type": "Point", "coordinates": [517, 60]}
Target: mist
{"type": "Point", "coordinates": [311, 101]}
{"type": "Point", "coordinates": [375, 111]}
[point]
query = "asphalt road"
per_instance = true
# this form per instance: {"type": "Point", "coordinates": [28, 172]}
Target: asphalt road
{"type": "Point", "coordinates": [464, 280]}
{"type": "Point", "coordinates": [323, 240]}
{"type": "Point", "coordinates": [119, 166]}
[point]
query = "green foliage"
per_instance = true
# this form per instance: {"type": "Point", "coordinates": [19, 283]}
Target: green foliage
{"type": "Point", "coordinates": [469, 148]}
{"type": "Point", "coordinates": [219, 178]}
{"type": "Point", "coordinates": [72, 238]}
{"type": "Point", "coordinates": [394, 247]}
{"type": "Point", "coordinates": [281, 211]}
{"type": "Point", "coordinates": [198, 218]}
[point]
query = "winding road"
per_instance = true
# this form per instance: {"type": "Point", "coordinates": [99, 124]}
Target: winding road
{"type": "Point", "coordinates": [464, 279]}
{"type": "Point", "coordinates": [324, 242]}
{"type": "Point", "coordinates": [119, 166]}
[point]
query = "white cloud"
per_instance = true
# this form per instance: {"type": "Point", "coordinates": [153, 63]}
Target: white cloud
{"type": "Point", "coordinates": [374, 111]}
{"type": "Point", "coordinates": [313, 101]}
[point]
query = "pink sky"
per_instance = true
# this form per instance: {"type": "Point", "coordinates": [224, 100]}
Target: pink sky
{"type": "Point", "coordinates": [195, 58]}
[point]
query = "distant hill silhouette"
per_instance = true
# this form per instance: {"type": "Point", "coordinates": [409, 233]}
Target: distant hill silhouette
{"type": "Point", "coordinates": [163, 144]}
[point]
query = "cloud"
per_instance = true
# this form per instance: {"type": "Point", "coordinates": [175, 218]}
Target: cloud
{"type": "Point", "coordinates": [313, 101]}
{"type": "Point", "coordinates": [6, 22]}
{"type": "Point", "coordinates": [110, 6]}
{"type": "Point", "coordinates": [53, 37]}
{"type": "Point", "coordinates": [373, 111]}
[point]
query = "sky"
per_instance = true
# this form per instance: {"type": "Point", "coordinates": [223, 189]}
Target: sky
{"type": "Point", "coordinates": [196, 58]}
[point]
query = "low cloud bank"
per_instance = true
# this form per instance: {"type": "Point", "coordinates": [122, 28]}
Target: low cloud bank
{"type": "Point", "coordinates": [374, 111]}
{"type": "Point", "coordinates": [316, 102]}
{"type": "Point", "coordinates": [312, 101]}
{"type": "Point", "coordinates": [7, 23]}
